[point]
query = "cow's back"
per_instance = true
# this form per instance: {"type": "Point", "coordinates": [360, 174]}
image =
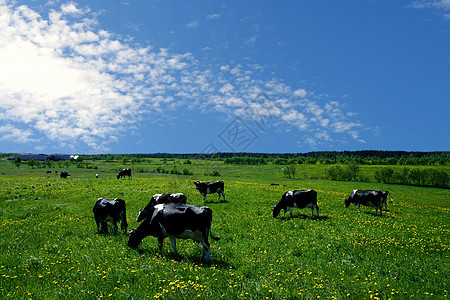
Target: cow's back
{"type": "Point", "coordinates": [301, 199]}
{"type": "Point", "coordinates": [176, 218]}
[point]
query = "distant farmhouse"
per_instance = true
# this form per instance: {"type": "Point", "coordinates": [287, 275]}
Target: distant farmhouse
{"type": "Point", "coordinates": [44, 157]}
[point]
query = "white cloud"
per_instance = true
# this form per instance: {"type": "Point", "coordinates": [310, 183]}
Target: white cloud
{"type": "Point", "coordinates": [212, 16]}
{"type": "Point", "coordinates": [300, 93]}
{"type": "Point", "coordinates": [65, 81]}
{"type": "Point", "coordinates": [71, 9]}
{"type": "Point", "coordinates": [192, 24]}
{"type": "Point", "coordinates": [251, 41]}
{"type": "Point", "coordinates": [441, 5]}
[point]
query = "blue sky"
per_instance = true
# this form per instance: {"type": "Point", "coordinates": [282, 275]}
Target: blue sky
{"type": "Point", "coordinates": [205, 76]}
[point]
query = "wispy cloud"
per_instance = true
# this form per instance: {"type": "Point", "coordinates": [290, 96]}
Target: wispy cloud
{"type": "Point", "coordinates": [440, 5]}
{"type": "Point", "coordinates": [212, 16]}
{"type": "Point", "coordinates": [64, 79]}
{"type": "Point", "coordinates": [192, 24]}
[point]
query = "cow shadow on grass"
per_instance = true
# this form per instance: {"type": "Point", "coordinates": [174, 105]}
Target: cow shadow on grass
{"type": "Point", "coordinates": [215, 202]}
{"type": "Point", "coordinates": [304, 217]}
{"type": "Point", "coordinates": [194, 259]}
{"type": "Point", "coordinates": [378, 215]}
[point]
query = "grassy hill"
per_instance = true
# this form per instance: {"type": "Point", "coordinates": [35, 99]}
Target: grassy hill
{"type": "Point", "coordinates": [49, 246]}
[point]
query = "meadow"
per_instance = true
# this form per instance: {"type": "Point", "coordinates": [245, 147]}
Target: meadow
{"type": "Point", "coordinates": [50, 248]}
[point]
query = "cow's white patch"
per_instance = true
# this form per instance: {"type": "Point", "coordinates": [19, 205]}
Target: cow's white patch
{"type": "Point", "coordinates": [156, 197]}
{"type": "Point", "coordinates": [159, 207]}
{"type": "Point", "coordinates": [290, 193]}
{"type": "Point", "coordinates": [177, 195]}
{"type": "Point", "coordinates": [193, 235]}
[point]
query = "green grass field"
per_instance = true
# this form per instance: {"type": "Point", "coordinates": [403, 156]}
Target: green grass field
{"type": "Point", "coordinates": [50, 249]}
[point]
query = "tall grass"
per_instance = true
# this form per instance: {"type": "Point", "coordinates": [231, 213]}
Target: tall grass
{"type": "Point", "coordinates": [49, 246]}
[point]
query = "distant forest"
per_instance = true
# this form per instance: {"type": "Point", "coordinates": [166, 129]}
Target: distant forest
{"type": "Point", "coordinates": [366, 157]}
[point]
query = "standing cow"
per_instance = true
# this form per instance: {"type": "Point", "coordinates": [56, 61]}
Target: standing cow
{"type": "Point", "coordinates": [113, 211]}
{"type": "Point", "coordinates": [210, 188]}
{"type": "Point", "coordinates": [64, 174]}
{"type": "Point", "coordinates": [124, 172]}
{"type": "Point", "coordinates": [299, 199]}
{"type": "Point", "coordinates": [177, 198]}
{"type": "Point", "coordinates": [367, 198]}
{"type": "Point", "coordinates": [181, 221]}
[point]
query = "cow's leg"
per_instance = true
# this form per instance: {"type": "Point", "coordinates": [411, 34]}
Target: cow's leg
{"type": "Point", "coordinates": [357, 206]}
{"type": "Point", "coordinates": [97, 221]}
{"type": "Point", "coordinates": [204, 198]}
{"type": "Point", "coordinates": [104, 227]}
{"type": "Point", "coordinates": [317, 210]}
{"type": "Point", "coordinates": [291, 210]}
{"type": "Point", "coordinates": [223, 194]}
{"type": "Point", "coordinates": [206, 250]}
{"type": "Point", "coordinates": [114, 223]}
{"type": "Point", "coordinates": [218, 193]}
{"type": "Point", "coordinates": [174, 244]}
{"type": "Point", "coordinates": [160, 243]}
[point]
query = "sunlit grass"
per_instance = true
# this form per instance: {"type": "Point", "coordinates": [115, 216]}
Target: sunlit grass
{"type": "Point", "coordinates": [49, 246]}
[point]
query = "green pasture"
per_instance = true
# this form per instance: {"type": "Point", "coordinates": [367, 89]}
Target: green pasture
{"type": "Point", "coordinates": [50, 249]}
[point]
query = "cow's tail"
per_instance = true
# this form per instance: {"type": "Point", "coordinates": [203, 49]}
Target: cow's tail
{"type": "Point", "coordinates": [124, 223]}
{"type": "Point", "coordinates": [216, 238]}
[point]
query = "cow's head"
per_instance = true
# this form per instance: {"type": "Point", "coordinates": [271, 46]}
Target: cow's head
{"type": "Point", "coordinates": [133, 240]}
{"type": "Point", "coordinates": [142, 215]}
{"type": "Point", "coordinates": [199, 185]}
{"type": "Point", "coordinates": [276, 211]}
{"type": "Point", "coordinates": [347, 202]}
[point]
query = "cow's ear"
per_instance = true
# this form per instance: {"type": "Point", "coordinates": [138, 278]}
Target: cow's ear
{"type": "Point", "coordinates": [141, 210]}
{"type": "Point", "coordinates": [273, 207]}
{"type": "Point", "coordinates": [131, 232]}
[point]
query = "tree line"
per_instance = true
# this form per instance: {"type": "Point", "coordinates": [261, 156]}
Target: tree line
{"type": "Point", "coordinates": [405, 175]}
{"type": "Point", "coordinates": [368, 157]}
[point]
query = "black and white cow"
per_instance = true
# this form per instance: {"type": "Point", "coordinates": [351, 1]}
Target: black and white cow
{"type": "Point", "coordinates": [367, 198]}
{"type": "Point", "coordinates": [299, 199]}
{"type": "Point", "coordinates": [182, 221]}
{"type": "Point", "coordinates": [113, 211]}
{"type": "Point", "coordinates": [177, 198]}
{"type": "Point", "coordinates": [64, 174]}
{"type": "Point", "coordinates": [210, 188]}
{"type": "Point", "coordinates": [124, 172]}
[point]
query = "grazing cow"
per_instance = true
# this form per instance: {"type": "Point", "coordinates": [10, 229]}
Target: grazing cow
{"type": "Point", "coordinates": [64, 174]}
{"type": "Point", "coordinates": [210, 188]}
{"type": "Point", "coordinates": [367, 198]}
{"type": "Point", "coordinates": [178, 198]}
{"type": "Point", "coordinates": [124, 172]}
{"type": "Point", "coordinates": [113, 211]}
{"type": "Point", "coordinates": [96, 175]}
{"type": "Point", "coordinates": [299, 199]}
{"type": "Point", "coordinates": [182, 221]}
{"type": "Point", "coordinates": [48, 172]}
